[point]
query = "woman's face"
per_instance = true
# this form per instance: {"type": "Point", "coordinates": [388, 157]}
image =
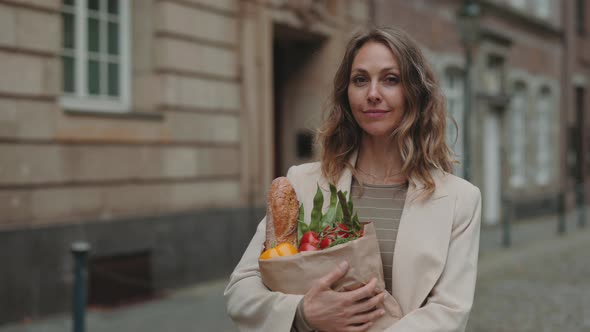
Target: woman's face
{"type": "Point", "coordinates": [374, 90]}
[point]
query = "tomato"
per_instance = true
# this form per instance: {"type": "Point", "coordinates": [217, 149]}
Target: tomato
{"type": "Point", "coordinates": [342, 231]}
{"type": "Point", "coordinates": [310, 237]}
{"type": "Point", "coordinates": [326, 242]}
{"type": "Point", "coordinates": [307, 247]}
{"type": "Point", "coordinates": [283, 249]}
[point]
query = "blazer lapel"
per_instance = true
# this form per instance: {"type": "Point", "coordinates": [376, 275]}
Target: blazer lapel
{"type": "Point", "coordinates": [421, 245]}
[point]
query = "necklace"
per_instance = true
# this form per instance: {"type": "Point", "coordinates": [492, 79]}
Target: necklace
{"type": "Point", "coordinates": [378, 178]}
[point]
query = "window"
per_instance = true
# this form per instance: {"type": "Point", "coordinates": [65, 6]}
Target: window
{"type": "Point", "coordinates": [453, 89]}
{"type": "Point", "coordinates": [95, 55]}
{"type": "Point", "coordinates": [517, 119]}
{"type": "Point", "coordinates": [520, 4]}
{"type": "Point", "coordinates": [543, 8]}
{"type": "Point", "coordinates": [493, 75]}
{"type": "Point", "coordinates": [544, 137]}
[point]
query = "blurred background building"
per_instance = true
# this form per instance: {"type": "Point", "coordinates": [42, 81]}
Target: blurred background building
{"type": "Point", "coordinates": [516, 69]}
{"type": "Point", "coordinates": [151, 129]}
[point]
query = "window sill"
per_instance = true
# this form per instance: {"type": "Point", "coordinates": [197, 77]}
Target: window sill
{"type": "Point", "coordinates": [149, 116]}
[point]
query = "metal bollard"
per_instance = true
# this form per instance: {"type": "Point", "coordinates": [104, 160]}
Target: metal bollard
{"type": "Point", "coordinates": [581, 204]}
{"type": "Point", "coordinates": [507, 215]}
{"type": "Point", "coordinates": [80, 252]}
{"type": "Point", "coordinates": [561, 211]}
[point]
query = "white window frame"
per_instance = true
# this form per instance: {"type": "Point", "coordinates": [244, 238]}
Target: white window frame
{"type": "Point", "coordinates": [80, 100]}
{"type": "Point", "coordinates": [455, 94]}
{"type": "Point", "coordinates": [544, 138]}
{"type": "Point", "coordinates": [518, 134]}
{"type": "Point", "coordinates": [543, 8]}
{"type": "Point", "coordinates": [519, 4]}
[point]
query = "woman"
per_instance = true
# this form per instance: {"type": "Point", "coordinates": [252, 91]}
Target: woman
{"type": "Point", "coordinates": [384, 142]}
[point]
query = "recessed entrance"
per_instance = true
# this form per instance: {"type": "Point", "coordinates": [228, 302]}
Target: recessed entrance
{"type": "Point", "coordinates": [297, 57]}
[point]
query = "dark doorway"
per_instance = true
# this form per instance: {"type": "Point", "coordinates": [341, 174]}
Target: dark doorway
{"type": "Point", "coordinates": [292, 51]}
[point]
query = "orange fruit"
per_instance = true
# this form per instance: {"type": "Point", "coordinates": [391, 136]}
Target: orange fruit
{"type": "Point", "coordinates": [270, 253]}
{"type": "Point", "coordinates": [283, 249]}
{"type": "Point", "coordinates": [286, 249]}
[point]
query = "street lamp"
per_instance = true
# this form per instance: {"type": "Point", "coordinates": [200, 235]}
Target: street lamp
{"type": "Point", "coordinates": [468, 19]}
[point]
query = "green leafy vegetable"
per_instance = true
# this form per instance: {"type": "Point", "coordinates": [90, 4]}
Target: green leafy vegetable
{"type": "Point", "coordinates": [346, 219]}
{"type": "Point", "coordinates": [316, 212]}
{"type": "Point", "coordinates": [338, 222]}
{"type": "Point", "coordinates": [302, 227]}
{"type": "Point", "coordinates": [340, 241]}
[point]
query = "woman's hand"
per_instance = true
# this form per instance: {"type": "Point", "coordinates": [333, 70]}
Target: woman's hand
{"type": "Point", "coordinates": [353, 311]}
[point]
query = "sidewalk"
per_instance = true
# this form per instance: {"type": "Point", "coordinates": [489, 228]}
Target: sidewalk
{"type": "Point", "coordinates": [198, 308]}
{"type": "Point", "coordinates": [535, 242]}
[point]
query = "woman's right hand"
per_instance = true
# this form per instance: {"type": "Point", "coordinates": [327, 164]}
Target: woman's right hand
{"type": "Point", "coordinates": [353, 311]}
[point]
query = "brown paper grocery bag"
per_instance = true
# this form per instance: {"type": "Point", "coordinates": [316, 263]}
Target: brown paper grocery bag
{"type": "Point", "coordinates": [296, 274]}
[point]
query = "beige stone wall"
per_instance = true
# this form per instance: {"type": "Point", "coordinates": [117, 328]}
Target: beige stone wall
{"type": "Point", "coordinates": [191, 139]}
{"type": "Point", "coordinates": [57, 167]}
{"type": "Point", "coordinates": [28, 46]}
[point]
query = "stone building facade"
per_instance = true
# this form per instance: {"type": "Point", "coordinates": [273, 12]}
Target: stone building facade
{"type": "Point", "coordinates": [516, 119]}
{"type": "Point", "coordinates": [150, 129]}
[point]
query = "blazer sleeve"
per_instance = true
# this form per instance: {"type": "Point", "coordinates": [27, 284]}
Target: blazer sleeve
{"type": "Point", "coordinates": [449, 303]}
{"type": "Point", "coordinates": [251, 305]}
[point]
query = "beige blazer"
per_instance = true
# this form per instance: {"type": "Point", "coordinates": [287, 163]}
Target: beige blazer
{"type": "Point", "coordinates": [434, 263]}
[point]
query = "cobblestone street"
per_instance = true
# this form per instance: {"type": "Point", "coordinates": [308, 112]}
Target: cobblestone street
{"type": "Point", "coordinates": [543, 287]}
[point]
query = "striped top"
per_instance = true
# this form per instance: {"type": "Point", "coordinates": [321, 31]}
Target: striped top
{"type": "Point", "coordinates": [383, 205]}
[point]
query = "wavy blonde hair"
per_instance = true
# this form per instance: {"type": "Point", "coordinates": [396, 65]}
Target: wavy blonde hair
{"type": "Point", "coordinates": [420, 135]}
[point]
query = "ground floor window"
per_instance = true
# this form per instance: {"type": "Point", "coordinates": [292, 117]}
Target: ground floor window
{"type": "Point", "coordinates": [95, 55]}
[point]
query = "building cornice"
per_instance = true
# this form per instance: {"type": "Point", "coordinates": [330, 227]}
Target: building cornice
{"type": "Point", "coordinates": [522, 18]}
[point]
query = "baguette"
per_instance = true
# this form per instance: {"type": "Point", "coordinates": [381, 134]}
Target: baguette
{"type": "Point", "coordinates": [282, 210]}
